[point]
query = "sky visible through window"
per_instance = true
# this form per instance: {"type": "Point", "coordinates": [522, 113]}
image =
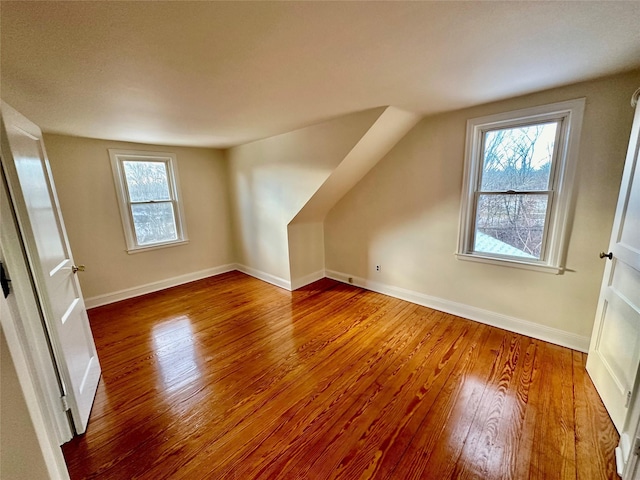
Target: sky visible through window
{"type": "Point", "coordinates": [513, 194]}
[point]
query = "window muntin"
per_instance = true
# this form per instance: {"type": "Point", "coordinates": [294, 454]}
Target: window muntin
{"type": "Point", "coordinates": [518, 175]}
{"type": "Point", "coordinates": [149, 199]}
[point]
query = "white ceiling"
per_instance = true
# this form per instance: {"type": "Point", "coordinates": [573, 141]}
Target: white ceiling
{"type": "Point", "coordinates": [224, 73]}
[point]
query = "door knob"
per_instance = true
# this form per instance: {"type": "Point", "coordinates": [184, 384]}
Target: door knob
{"type": "Point", "coordinates": [77, 268]}
{"type": "Point", "coordinates": [608, 255]}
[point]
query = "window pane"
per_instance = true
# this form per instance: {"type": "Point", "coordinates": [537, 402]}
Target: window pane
{"type": "Point", "coordinates": [518, 158]}
{"type": "Point", "coordinates": [154, 223]}
{"type": "Point", "coordinates": [511, 225]}
{"type": "Point", "coordinates": [146, 181]}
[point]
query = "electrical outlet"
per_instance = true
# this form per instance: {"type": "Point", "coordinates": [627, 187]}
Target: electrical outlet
{"type": "Point", "coordinates": [377, 268]}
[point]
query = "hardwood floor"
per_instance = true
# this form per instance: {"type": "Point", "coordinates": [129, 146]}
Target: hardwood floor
{"type": "Point", "coordinates": [233, 378]}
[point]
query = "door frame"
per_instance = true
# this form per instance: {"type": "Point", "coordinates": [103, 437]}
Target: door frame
{"type": "Point", "coordinates": [628, 439]}
{"type": "Point", "coordinates": [28, 341]}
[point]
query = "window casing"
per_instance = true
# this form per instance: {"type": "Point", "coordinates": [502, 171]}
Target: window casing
{"type": "Point", "coordinates": [148, 193]}
{"type": "Point", "coordinates": [517, 191]}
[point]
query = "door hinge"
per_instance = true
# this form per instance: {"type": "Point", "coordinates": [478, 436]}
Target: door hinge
{"type": "Point", "coordinates": [4, 281]}
{"type": "Point", "coordinates": [65, 404]}
{"type": "Point", "coordinates": [626, 404]}
{"type": "Point", "coordinates": [636, 447]}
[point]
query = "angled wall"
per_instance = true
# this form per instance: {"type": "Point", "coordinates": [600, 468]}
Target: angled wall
{"type": "Point", "coordinates": [306, 231]}
{"type": "Point", "coordinates": [270, 180]}
{"type": "Point", "coordinates": [283, 186]}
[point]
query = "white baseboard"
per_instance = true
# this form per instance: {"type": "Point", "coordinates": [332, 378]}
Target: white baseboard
{"type": "Point", "coordinates": [516, 325]}
{"type": "Point", "coordinates": [619, 461]}
{"type": "Point", "coordinates": [264, 276]}
{"type": "Point", "coordinates": [306, 280]}
{"type": "Point", "coordinates": [112, 297]}
{"type": "Point", "coordinates": [523, 327]}
{"type": "Point", "coordinates": [624, 450]}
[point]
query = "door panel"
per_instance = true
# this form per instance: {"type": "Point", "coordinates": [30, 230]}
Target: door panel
{"type": "Point", "coordinates": [619, 327]}
{"type": "Point", "coordinates": [624, 280]}
{"type": "Point", "coordinates": [627, 227]}
{"type": "Point", "coordinates": [630, 229]}
{"type": "Point", "coordinates": [33, 193]}
{"type": "Point", "coordinates": [44, 223]}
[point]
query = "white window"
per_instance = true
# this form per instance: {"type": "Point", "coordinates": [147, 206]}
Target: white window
{"type": "Point", "coordinates": [516, 196]}
{"type": "Point", "coordinates": [149, 198]}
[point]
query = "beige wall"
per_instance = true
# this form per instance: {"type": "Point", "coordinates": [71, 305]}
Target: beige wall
{"type": "Point", "coordinates": [82, 173]}
{"type": "Point", "coordinates": [404, 215]}
{"type": "Point", "coordinates": [272, 179]}
{"type": "Point", "coordinates": [306, 252]}
{"type": "Point", "coordinates": [20, 454]}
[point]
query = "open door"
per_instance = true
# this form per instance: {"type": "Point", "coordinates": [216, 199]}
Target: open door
{"type": "Point", "coordinates": [33, 195]}
{"type": "Point", "coordinates": [614, 353]}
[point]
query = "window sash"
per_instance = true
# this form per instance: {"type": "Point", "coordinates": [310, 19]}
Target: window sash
{"type": "Point", "coordinates": [479, 161]}
{"type": "Point", "coordinates": [545, 232]}
{"type": "Point", "coordinates": [127, 205]}
{"type": "Point", "coordinates": [172, 201]}
{"type": "Point", "coordinates": [569, 115]}
{"type": "Point", "coordinates": [557, 146]}
{"type": "Point", "coordinates": [137, 233]}
{"type": "Point", "coordinates": [167, 175]}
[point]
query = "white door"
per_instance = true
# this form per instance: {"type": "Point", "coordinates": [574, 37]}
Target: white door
{"type": "Point", "coordinates": [34, 197]}
{"type": "Point", "coordinates": [614, 353]}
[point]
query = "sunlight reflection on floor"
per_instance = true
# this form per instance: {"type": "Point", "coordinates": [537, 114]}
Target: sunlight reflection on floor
{"type": "Point", "coordinates": [175, 349]}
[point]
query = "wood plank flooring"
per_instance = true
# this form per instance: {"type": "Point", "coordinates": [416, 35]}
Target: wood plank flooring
{"type": "Point", "coordinates": [233, 378]}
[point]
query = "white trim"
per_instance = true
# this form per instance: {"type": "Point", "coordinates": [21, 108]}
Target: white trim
{"type": "Point", "coordinates": [264, 276]}
{"type": "Point", "coordinates": [562, 178]}
{"type": "Point", "coordinates": [516, 325]}
{"type": "Point", "coordinates": [619, 461]}
{"type": "Point", "coordinates": [630, 438]}
{"type": "Point", "coordinates": [625, 448]}
{"type": "Point", "coordinates": [170, 160]}
{"type": "Point", "coordinates": [306, 280]}
{"type": "Point", "coordinates": [105, 299]}
{"type": "Point", "coordinates": [507, 263]}
{"type": "Point", "coordinates": [112, 297]}
{"type": "Point", "coordinates": [156, 246]}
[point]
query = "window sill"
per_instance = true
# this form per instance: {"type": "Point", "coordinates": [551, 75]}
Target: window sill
{"type": "Point", "coordinates": [510, 263]}
{"type": "Point", "coordinates": [156, 246]}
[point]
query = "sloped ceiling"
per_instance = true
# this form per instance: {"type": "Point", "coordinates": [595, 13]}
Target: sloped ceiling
{"type": "Point", "coordinates": [384, 134]}
{"type": "Point", "coordinates": [224, 73]}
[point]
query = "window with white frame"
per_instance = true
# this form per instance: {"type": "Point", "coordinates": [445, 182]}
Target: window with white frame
{"type": "Point", "coordinates": [516, 197]}
{"type": "Point", "coordinates": [149, 198]}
